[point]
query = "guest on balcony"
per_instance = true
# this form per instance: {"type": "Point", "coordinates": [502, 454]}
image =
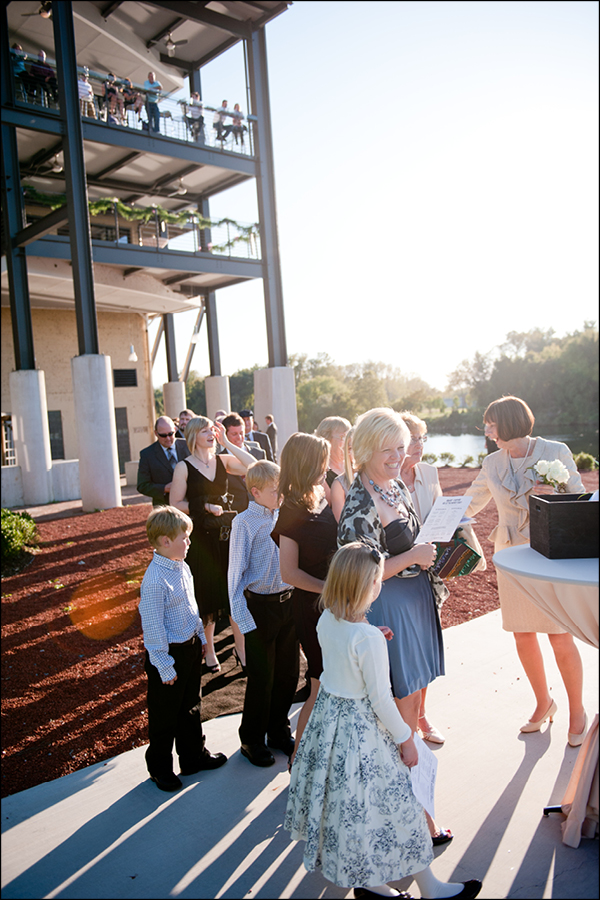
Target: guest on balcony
{"type": "Point", "coordinates": [152, 87]}
{"type": "Point", "coordinates": [44, 76]}
{"type": "Point", "coordinates": [195, 119]}
{"type": "Point", "coordinates": [236, 128]}
{"type": "Point", "coordinates": [86, 95]}
{"type": "Point", "coordinates": [22, 77]}
{"type": "Point", "coordinates": [219, 121]}
{"type": "Point", "coordinates": [113, 96]}
{"type": "Point", "coordinates": [132, 99]}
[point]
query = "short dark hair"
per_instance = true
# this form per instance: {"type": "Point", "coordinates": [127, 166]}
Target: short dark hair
{"type": "Point", "coordinates": [231, 421]}
{"type": "Point", "coordinates": [511, 416]}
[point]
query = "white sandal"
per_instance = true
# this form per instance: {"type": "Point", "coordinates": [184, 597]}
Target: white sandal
{"type": "Point", "coordinates": [432, 735]}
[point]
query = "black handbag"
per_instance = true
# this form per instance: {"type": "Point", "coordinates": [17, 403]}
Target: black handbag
{"type": "Point", "coordinates": [221, 523]}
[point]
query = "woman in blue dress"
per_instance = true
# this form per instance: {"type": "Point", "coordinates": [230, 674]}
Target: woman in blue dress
{"type": "Point", "coordinates": [379, 510]}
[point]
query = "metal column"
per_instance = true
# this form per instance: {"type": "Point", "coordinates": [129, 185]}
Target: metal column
{"type": "Point", "coordinates": [210, 301]}
{"type": "Point", "coordinates": [14, 221]}
{"type": "Point", "coordinates": [169, 325]}
{"type": "Point", "coordinates": [76, 186]}
{"type": "Point", "coordinates": [265, 184]}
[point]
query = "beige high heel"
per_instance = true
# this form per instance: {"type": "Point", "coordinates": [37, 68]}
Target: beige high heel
{"type": "Point", "coordinates": [575, 740]}
{"type": "Point", "coordinates": [535, 726]}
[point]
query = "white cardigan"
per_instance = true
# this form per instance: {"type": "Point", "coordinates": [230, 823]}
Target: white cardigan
{"type": "Point", "coordinates": [356, 665]}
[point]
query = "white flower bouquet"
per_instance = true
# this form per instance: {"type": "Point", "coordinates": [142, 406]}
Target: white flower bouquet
{"type": "Point", "coordinates": [553, 473]}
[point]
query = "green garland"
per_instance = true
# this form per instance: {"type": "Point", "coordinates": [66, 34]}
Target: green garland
{"type": "Point", "coordinates": [106, 206]}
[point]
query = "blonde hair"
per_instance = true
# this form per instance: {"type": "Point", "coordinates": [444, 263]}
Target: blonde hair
{"type": "Point", "coordinates": [304, 461]}
{"type": "Point", "coordinates": [373, 430]}
{"type": "Point", "coordinates": [414, 424]}
{"type": "Point", "coordinates": [166, 521]}
{"type": "Point", "coordinates": [348, 590]}
{"type": "Point", "coordinates": [511, 416]}
{"type": "Point", "coordinates": [261, 474]}
{"type": "Point", "coordinates": [330, 426]}
{"type": "Point", "coordinates": [348, 454]}
{"type": "Point", "coordinates": [195, 425]}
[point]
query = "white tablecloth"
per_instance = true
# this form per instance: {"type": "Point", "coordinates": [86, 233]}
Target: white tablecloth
{"type": "Point", "coordinates": [567, 591]}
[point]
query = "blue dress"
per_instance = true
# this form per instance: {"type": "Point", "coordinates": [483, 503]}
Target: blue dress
{"type": "Point", "coordinates": [407, 606]}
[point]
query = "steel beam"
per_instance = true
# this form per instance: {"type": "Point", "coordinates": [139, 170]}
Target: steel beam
{"type": "Point", "coordinates": [172, 374]}
{"type": "Point", "coordinates": [214, 352]}
{"type": "Point", "coordinates": [43, 226]}
{"type": "Point", "coordinates": [132, 256]}
{"type": "Point", "coordinates": [196, 13]}
{"type": "Point", "coordinates": [190, 354]}
{"type": "Point", "coordinates": [35, 120]}
{"type": "Point", "coordinates": [265, 185]}
{"type": "Point", "coordinates": [13, 216]}
{"type": "Point", "coordinates": [159, 334]}
{"type": "Point", "coordinates": [75, 181]}
{"type": "Point", "coordinates": [118, 164]}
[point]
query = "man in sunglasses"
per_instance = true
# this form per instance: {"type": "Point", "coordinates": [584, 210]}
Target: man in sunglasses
{"type": "Point", "coordinates": [155, 472]}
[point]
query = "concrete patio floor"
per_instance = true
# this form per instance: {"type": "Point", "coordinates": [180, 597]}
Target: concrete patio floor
{"type": "Point", "coordinates": [106, 831]}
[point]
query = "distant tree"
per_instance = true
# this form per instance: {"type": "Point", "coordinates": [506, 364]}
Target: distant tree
{"type": "Point", "coordinates": [159, 404]}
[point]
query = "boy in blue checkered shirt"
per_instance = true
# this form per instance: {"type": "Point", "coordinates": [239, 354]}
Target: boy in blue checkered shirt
{"type": "Point", "coordinates": [261, 604]}
{"type": "Point", "coordinates": [174, 641]}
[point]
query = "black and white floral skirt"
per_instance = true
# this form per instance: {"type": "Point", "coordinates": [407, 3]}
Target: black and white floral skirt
{"type": "Point", "coordinates": [351, 798]}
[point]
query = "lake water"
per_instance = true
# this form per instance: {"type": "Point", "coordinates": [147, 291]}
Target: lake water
{"type": "Point", "coordinates": [462, 445]}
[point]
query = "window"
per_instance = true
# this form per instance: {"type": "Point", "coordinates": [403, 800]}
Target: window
{"type": "Point", "coordinates": [125, 377]}
{"type": "Point", "coordinates": [57, 447]}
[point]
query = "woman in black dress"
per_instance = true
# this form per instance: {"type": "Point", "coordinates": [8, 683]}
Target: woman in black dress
{"type": "Point", "coordinates": [200, 488]}
{"type": "Point", "coordinates": [306, 533]}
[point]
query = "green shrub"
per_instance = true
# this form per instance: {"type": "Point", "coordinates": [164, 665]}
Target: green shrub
{"type": "Point", "coordinates": [480, 457]}
{"type": "Point", "coordinates": [18, 531]}
{"type": "Point", "coordinates": [585, 461]}
{"type": "Point", "coordinates": [447, 458]}
{"type": "Point", "coordinates": [430, 458]}
{"type": "Point", "coordinates": [467, 461]}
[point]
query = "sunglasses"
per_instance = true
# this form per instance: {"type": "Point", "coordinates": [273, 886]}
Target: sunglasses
{"type": "Point", "coordinates": [168, 434]}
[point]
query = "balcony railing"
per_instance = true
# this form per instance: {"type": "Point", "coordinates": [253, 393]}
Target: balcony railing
{"type": "Point", "coordinates": [188, 234]}
{"type": "Point", "coordinates": [175, 116]}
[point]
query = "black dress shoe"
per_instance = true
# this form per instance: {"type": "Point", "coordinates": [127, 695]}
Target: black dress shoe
{"type": "Point", "coordinates": [167, 782]}
{"type": "Point", "coordinates": [470, 890]}
{"type": "Point", "coordinates": [206, 761]}
{"type": "Point", "coordinates": [258, 754]}
{"type": "Point", "coordinates": [366, 894]}
{"type": "Point", "coordinates": [285, 744]}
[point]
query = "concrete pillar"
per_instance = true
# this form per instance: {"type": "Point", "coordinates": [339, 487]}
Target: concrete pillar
{"type": "Point", "coordinates": [217, 394]}
{"type": "Point", "coordinates": [94, 404]}
{"type": "Point", "coordinates": [275, 392]}
{"type": "Point", "coordinates": [174, 398]}
{"type": "Point", "coordinates": [31, 435]}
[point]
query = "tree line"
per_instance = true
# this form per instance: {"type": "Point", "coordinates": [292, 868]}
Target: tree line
{"type": "Point", "coordinates": [557, 377]}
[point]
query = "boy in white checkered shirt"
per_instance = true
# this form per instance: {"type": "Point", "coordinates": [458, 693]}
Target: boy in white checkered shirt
{"type": "Point", "coordinates": [174, 640]}
{"type": "Point", "coordinates": [261, 604]}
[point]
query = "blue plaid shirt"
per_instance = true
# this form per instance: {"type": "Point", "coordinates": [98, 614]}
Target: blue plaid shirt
{"type": "Point", "coordinates": [169, 611]}
{"type": "Point", "coordinates": [253, 561]}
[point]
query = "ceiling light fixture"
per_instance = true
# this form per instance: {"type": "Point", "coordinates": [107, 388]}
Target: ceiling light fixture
{"type": "Point", "coordinates": [56, 164]}
{"type": "Point", "coordinates": [132, 354]}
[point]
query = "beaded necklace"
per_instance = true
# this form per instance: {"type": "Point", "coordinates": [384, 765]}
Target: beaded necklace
{"type": "Point", "coordinates": [393, 497]}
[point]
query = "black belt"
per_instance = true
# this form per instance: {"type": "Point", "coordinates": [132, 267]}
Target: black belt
{"type": "Point", "coordinates": [277, 598]}
{"type": "Point", "coordinates": [191, 640]}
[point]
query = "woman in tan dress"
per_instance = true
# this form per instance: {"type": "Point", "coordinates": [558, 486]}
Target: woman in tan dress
{"type": "Point", "coordinates": [507, 476]}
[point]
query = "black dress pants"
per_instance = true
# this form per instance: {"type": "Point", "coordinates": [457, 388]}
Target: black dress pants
{"type": "Point", "coordinates": [174, 711]}
{"type": "Point", "coordinates": [272, 668]}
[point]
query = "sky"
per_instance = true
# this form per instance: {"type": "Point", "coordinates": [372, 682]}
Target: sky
{"type": "Point", "coordinates": [436, 172]}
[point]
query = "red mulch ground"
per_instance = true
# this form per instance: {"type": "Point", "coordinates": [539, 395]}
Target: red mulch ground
{"type": "Point", "coordinates": [73, 684]}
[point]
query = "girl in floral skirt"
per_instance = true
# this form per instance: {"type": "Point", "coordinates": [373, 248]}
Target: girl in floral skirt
{"type": "Point", "coordinates": [350, 794]}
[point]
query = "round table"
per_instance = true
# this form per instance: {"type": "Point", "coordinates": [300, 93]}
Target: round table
{"type": "Point", "coordinates": [567, 591]}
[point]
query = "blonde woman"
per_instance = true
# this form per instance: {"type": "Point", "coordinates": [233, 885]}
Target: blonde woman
{"type": "Point", "coordinates": [306, 533]}
{"type": "Point", "coordinates": [378, 509]}
{"type": "Point", "coordinates": [341, 485]}
{"type": "Point", "coordinates": [507, 476]}
{"type": "Point", "coordinates": [333, 429]}
{"type": "Point", "coordinates": [199, 488]}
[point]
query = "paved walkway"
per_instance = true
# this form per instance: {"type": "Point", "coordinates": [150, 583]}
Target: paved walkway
{"type": "Point", "coordinates": [106, 831]}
